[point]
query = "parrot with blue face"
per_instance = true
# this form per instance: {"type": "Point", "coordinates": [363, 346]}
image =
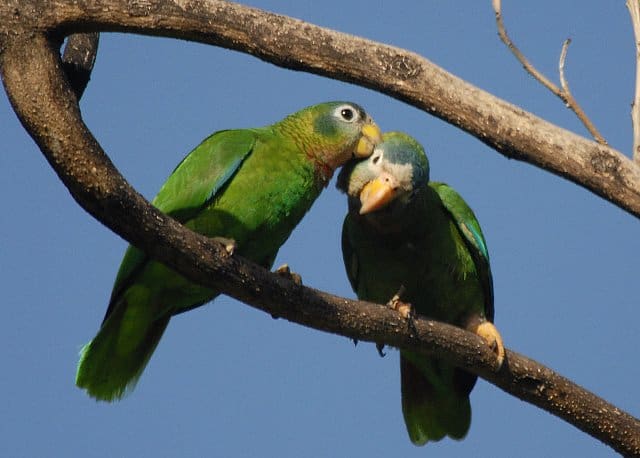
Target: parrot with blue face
{"type": "Point", "coordinates": [404, 233]}
{"type": "Point", "coordinates": [248, 187]}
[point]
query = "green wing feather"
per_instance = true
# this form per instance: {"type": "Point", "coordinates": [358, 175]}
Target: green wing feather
{"type": "Point", "coordinates": [113, 361]}
{"type": "Point", "coordinates": [203, 172]}
{"type": "Point", "coordinates": [191, 187]}
{"type": "Point", "coordinates": [431, 407]}
{"type": "Point", "coordinates": [469, 227]}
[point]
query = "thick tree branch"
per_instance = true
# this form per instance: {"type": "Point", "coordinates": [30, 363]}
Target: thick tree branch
{"type": "Point", "coordinates": [30, 64]}
{"type": "Point", "coordinates": [406, 76]}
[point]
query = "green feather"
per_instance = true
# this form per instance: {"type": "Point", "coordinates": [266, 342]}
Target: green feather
{"type": "Point", "coordinates": [249, 185]}
{"type": "Point", "coordinates": [469, 228]}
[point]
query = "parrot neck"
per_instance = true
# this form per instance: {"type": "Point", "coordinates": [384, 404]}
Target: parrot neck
{"type": "Point", "coordinates": [314, 149]}
{"type": "Point", "coordinates": [324, 170]}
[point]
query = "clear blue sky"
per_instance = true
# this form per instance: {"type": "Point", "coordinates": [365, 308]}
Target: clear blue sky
{"type": "Point", "coordinates": [228, 380]}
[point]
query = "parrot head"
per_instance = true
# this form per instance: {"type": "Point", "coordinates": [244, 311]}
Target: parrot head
{"type": "Point", "coordinates": [396, 170]}
{"type": "Point", "coordinates": [332, 133]}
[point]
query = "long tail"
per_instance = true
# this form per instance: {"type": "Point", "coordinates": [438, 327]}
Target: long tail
{"type": "Point", "coordinates": [435, 399]}
{"type": "Point", "coordinates": [111, 364]}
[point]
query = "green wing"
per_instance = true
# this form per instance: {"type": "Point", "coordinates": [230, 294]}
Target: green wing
{"type": "Point", "coordinates": [201, 174]}
{"type": "Point", "coordinates": [469, 227]}
{"type": "Point", "coordinates": [190, 188]}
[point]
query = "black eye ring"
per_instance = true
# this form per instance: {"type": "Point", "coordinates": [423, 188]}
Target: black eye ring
{"type": "Point", "coordinates": [347, 114]}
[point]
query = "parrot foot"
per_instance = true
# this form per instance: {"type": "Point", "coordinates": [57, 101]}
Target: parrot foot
{"type": "Point", "coordinates": [404, 309]}
{"type": "Point", "coordinates": [489, 333]}
{"type": "Point", "coordinates": [230, 245]}
{"type": "Point", "coordinates": [286, 272]}
{"type": "Point", "coordinates": [380, 347]}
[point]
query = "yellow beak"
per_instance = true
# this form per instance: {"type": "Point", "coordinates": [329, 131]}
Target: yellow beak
{"type": "Point", "coordinates": [371, 136]}
{"type": "Point", "coordinates": [376, 194]}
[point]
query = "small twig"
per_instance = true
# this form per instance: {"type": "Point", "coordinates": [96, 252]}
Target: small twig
{"type": "Point", "coordinates": [563, 57]}
{"type": "Point", "coordinates": [634, 11]}
{"type": "Point", "coordinates": [563, 93]}
{"type": "Point", "coordinates": [570, 101]}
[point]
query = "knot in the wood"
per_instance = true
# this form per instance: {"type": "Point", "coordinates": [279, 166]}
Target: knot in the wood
{"type": "Point", "coordinates": [399, 65]}
{"type": "Point", "coordinates": [604, 162]}
{"type": "Point", "coordinates": [141, 8]}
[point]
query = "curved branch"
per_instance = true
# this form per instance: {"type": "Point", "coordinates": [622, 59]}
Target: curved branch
{"type": "Point", "coordinates": [30, 64]}
{"type": "Point", "coordinates": [406, 76]}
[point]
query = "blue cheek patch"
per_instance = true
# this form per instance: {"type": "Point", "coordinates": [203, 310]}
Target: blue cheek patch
{"type": "Point", "coordinates": [324, 125]}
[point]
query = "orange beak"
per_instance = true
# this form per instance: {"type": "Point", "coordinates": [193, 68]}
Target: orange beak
{"type": "Point", "coordinates": [377, 193]}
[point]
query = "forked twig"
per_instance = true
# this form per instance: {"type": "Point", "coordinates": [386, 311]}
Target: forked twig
{"type": "Point", "coordinates": [562, 92]}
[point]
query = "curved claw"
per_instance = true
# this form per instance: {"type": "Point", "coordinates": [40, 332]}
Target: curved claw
{"type": "Point", "coordinates": [404, 309]}
{"type": "Point", "coordinates": [286, 272]}
{"type": "Point", "coordinates": [230, 245]}
{"type": "Point", "coordinates": [395, 303]}
{"type": "Point", "coordinates": [490, 335]}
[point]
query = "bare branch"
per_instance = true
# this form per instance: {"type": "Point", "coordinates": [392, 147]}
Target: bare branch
{"type": "Point", "coordinates": [563, 93]}
{"type": "Point", "coordinates": [570, 101]}
{"type": "Point", "coordinates": [634, 11]}
{"type": "Point", "coordinates": [563, 57]}
{"type": "Point", "coordinates": [53, 120]}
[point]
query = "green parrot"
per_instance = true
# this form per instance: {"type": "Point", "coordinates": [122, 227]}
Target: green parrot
{"type": "Point", "coordinates": [404, 233]}
{"type": "Point", "coordinates": [247, 187]}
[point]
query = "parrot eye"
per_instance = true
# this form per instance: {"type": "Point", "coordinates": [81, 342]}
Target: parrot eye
{"type": "Point", "coordinates": [347, 113]}
{"type": "Point", "coordinates": [375, 159]}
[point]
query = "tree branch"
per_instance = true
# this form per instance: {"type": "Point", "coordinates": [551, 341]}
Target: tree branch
{"type": "Point", "coordinates": [563, 93]}
{"type": "Point", "coordinates": [78, 59]}
{"type": "Point", "coordinates": [406, 76]}
{"type": "Point", "coordinates": [29, 63]}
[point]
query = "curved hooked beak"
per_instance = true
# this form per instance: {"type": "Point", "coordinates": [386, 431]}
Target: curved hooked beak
{"type": "Point", "coordinates": [371, 136]}
{"type": "Point", "coordinates": [377, 193]}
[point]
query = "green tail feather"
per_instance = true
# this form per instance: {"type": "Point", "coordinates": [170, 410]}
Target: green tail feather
{"type": "Point", "coordinates": [432, 405]}
{"type": "Point", "coordinates": [111, 364]}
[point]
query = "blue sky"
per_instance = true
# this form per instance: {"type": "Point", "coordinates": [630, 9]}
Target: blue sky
{"type": "Point", "coordinates": [227, 380]}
